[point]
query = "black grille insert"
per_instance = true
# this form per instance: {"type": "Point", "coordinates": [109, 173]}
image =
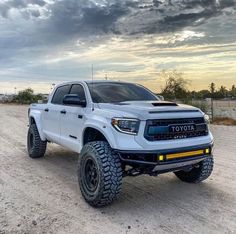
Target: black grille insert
{"type": "Point", "coordinates": [159, 129]}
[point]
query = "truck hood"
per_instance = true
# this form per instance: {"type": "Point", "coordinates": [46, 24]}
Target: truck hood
{"type": "Point", "coordinates": [144, 110]}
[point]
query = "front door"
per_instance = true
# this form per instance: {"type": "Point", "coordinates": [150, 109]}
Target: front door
{"type": "Point", "coordinates": [72, 121]}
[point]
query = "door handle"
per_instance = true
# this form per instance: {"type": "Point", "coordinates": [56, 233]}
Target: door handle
{"type": "Point", "coordinates": [46, 110]}
{"type": "Point", "coordinates": [63, 112]}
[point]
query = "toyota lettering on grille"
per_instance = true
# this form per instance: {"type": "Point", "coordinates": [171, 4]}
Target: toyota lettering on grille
{"type": "Point", "coordinates": [182, 128]}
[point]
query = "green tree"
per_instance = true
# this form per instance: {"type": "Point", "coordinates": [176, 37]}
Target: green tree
{"type": "Point", "coordinates": [212, 88]}
{"type": "Point", "coordinates": [202, 94]}
{"type": "Point", "coordinates": [175, 86]}
{"type": "Point", "coordinates": [223, 91]}
{"type": "Point", "coordinates": [233, 91]}
{"type": "Point", "coordinates": [26, 96]}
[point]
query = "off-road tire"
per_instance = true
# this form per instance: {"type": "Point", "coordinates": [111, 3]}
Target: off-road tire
{"type": "Point", "coordinates": [36, 147]}
{"type": "Point", "coordinates": [199, 173]}
{"type": "Point", "coordinates": [109, 173]}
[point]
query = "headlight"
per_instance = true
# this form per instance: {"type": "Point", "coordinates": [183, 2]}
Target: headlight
{"type": "Point", "coordinates": [207, 119]}
{"type": "Point", "coordinates": [124, 125]}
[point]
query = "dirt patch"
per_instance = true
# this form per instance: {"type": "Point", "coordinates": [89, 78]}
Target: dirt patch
{"type": "Point", "coordinates": [42, 196]}
{"type": "Point", "coordinates": [224, 121]}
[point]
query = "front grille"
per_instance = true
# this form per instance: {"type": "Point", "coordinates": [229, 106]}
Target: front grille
{"type": "Point", "coordinates": [159, 129]}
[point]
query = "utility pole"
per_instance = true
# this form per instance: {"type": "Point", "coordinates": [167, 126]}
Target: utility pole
{"type": "Point", "coordinates": [212, 109]}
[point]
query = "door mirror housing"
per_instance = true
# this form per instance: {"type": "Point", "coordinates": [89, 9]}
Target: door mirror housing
{"type": "Point", "coordinates": [73, 99]}
{"type": "Point", "coordinates": [161, 97]}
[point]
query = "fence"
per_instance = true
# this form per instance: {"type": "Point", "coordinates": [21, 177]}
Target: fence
{"type": "Point", "coordinates": [218, 108]}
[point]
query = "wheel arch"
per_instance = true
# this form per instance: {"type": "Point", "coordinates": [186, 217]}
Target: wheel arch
{"type": "Point", "coordinates": [91, 134]}
{"type": "Point", "coordinates": [32, 120]}
{"type": "Point", "coordinates": [35, 118]}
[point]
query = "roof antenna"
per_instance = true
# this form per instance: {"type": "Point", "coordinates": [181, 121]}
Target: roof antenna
{"type": "Point", "coordinates": [92, 88]}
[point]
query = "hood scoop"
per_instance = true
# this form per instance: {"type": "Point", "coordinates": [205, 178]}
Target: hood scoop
{"type": "Point", "coordinates": [164, 104]}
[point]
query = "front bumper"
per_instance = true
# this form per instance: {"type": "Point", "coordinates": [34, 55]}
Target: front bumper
{"type": "Point", "coordinates": [166, 160]}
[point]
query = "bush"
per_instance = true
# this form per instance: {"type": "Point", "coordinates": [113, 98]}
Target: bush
{"type": "Point", "coordinates": [27, 96]}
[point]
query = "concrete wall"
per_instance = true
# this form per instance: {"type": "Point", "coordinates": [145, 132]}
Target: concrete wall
{"type": "Point", "coordinates": [224, 108]}
{"type": "Point", "coordinates": [221, 108]}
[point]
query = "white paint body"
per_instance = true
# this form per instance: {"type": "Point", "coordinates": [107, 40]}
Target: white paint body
{"type": "Point", "coordinates": [56, 127]}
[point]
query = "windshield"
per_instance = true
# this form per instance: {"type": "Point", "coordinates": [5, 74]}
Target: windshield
{"type": "Point", "coordinates": [111, 92]}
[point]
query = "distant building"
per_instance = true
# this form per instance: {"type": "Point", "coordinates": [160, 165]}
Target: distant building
{"type": "Point", "coordinates": [6, 97]}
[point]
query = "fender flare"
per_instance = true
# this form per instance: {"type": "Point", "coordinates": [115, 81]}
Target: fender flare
{"type": "Point", "coordinates": [103, 129]}
{"type": "Point", "coordinates": [36, 118]}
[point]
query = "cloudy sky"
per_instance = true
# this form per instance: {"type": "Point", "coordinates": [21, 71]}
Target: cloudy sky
{"type": "Point", "coordinates": [50, 41]}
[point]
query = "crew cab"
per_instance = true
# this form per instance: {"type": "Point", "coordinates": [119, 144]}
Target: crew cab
{"type": "Point", "coordinates": [121, 129]}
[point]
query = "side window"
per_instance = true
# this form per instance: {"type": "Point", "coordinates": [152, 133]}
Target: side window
{"type": "Point", "coordinates": [79, 90]}
{"type": "Point", "coordinates": [60, 93]}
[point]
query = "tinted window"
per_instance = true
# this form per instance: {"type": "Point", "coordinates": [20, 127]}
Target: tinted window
{"type": "Point", "coordinates": [79, 90]}
{"type": "Point", "coordinates": [60, 93]}
{"type": "Point", "coordinates": [111, 92]}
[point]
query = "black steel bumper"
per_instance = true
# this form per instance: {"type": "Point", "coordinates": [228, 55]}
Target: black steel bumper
{"type": "Point", "coordinates": [151, 158]}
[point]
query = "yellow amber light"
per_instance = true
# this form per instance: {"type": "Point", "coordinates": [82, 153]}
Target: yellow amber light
{"type": "Point", "coordinates": [161, 157]}
{"type": "Point", "coordinates": [185, 154]}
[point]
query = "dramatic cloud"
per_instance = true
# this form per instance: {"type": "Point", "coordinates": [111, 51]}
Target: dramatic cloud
{"type": "Point", "coordinates": [170, 16]}
{"type": "Point", "coordinates": [133, 17]}
{"type": "Point", "coordinates": [44, 38]}
{"type": "Point", "coordinates": [127, 17]}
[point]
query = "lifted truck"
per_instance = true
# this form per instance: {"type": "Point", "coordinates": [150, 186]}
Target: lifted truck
{"type": "Point", "coordinates": [121, 129]}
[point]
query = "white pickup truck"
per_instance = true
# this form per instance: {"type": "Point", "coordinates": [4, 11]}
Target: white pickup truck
{"type": "Point", "coordinates": [121, 129]}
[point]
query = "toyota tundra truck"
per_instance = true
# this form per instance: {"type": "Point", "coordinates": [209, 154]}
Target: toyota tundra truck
{"type": "Point", "coordinates": [121, 129]}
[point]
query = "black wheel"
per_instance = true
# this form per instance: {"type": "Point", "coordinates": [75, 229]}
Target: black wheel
{"type": "Point", "coordinates": [200, 172]}
{"type": "Point", "coordinates": [99, 173]}
{"type": "Point", "coordinates": [36, 147]}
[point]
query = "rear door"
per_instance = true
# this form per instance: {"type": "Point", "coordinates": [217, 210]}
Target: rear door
{"type": "Point", "coordinates": [52, 114]}
{"type": "Point", "coordinates": [72, 121]}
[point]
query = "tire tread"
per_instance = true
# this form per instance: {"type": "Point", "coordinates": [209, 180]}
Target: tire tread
{"type": "Point", "coordinates": [40, 146]}
{"type": "Point", "coordinates": [110, 168]}
{"type": "Point", "coordinates": [199, 174]}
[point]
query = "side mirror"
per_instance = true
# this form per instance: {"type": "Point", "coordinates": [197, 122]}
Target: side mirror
{"type": "Point", "coordinates": [161, 97]}
{"type": "Point", "coordinates": [73, 99]}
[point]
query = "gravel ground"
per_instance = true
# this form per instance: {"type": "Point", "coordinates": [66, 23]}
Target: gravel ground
{"type": "Point", "coordinates": [42, 196]}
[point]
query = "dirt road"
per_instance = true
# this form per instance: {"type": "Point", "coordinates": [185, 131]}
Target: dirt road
{"type": "Point", "coordinates": [42, 196]}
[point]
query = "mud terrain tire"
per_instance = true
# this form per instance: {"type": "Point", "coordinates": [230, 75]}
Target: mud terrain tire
{"type": "Point", "coordinates": [36, 147]}
{"type": "Point", "coordinates": [199, 173]}
{"type": "Point", "coordinates": [99, 173]}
